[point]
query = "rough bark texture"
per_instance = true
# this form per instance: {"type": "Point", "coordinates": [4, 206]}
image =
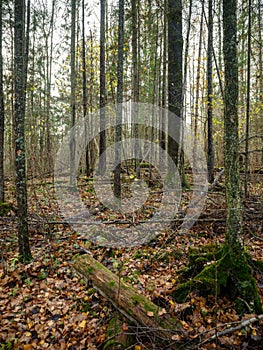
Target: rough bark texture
{"type": "Point", "coordinates": [231, 141]}
{"type": "Point", "coordinates": [19, 132]}
{"type": "Point", "coordinates": [125, 298]}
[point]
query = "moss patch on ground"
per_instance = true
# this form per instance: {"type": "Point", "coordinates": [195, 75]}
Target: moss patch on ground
{"type": "Point", "coordinates": [215, 270]}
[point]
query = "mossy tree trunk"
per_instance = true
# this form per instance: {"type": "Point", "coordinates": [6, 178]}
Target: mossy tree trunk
{"type": "Point", "coordinates": [239, 271]}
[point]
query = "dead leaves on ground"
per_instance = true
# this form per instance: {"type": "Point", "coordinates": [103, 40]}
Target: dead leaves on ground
{"type": "Point", "coordinates": [44, 305]}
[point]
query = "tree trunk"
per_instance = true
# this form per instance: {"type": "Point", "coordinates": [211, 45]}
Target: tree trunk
{"type": "Point", "coordinates": [102, 159]}
{"type": "Point", "coordinates": [84, 88]}
{"type": "Point", "coordinates": [164, 86]}
{"type": "Point", "coordinates": [231, 142]}
{"type": "Point", "coordinates": [260, 72]}
{"type": "Point", "coordinates": [239, 272]}
{"type": "Point", "coordinates": [19, 131]}
{"type": "Point", "coordinates": [248, 99]}
{"type": "Point", "coordinates": [198, 77]}
{"type": "Point", "coordinates": [175, 48]}
{"type": "Point", "coordinates": [2, 112]}
{"type": "Point", "coordinates": [210, 139]}
{"type": "Point", "coordinates": [187, 40]}
{"type": "Point", "coordinates": [73, 90]}
{"type": "Point", "coordinates": [135, 82]}
{"type": "Point", "coordinates": [49, 49]}
{"type": "Point", "coordinates": [118, 137]}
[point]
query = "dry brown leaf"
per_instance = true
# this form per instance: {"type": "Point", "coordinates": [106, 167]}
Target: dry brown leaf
{"type": "Point", "coordinates": [125, 327]}
{"type": "Point", "coordinates": [83, 324]}
{"type": "Point", "coordinates": [150, 313]}
{"type": "Point", "coordinates": [137, 347]}
{"type": "Point", "coordinates": [162, 312]}
{"type": "Point", "coordinates": [27, 347]}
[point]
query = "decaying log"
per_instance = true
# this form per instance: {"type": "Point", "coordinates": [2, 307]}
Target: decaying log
{"type": "Point", "coordinates": [126, 299]}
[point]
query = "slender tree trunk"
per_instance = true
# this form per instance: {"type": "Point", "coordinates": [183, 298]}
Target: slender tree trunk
{"type": "Point", "coordinates": [102, 160]}
{"type": "Point", "coordinates": [220, 65]}
{"type": "Point", "coordinates": [135, 82]}
{"type": "Point", "coordinates": [198, 78]}
{"type": "Point", "coordinates": [154, 97]}
{"type": "Point", "coordinates": [73, 90]}
{"type": "Point", "coordinates": [210, 149]}
{"type": "Point", "coordinates": [175, 48]}
{"type": "Point", "coordinates": [164, 86]}
{"type": "Point", "coordinates": [118, 137]}
{"type": "Point", "coordinates": [28, 17]}
{"type": "Point", "coordinates": [84, 88]}
{"type": "Point", "coordinates": [19, 132]}
{"type": "Point", "coordinates": [49, 78]}
{"type": "Point", "coordinates": [248, 99]}
{"type": "Point", "coordinates": [260, 71]}
{"type": "Point", "coordinates": [84, 66]}
{"type": "Point", "coordinates": [182, 160]}
{"type": "Point", "coordinates": [93, 143]}
{"type": "Point", "coordinates": [2, 112]}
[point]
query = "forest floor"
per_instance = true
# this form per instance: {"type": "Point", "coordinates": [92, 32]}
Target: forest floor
{"type": "Point", "coordinates": [46, 305]}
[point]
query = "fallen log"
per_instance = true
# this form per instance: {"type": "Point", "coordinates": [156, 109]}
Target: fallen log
{"type": "Point", "coordinates": [126, 299]}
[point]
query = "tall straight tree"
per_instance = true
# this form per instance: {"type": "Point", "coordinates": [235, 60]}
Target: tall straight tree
{"type": "Point", "coordinates": [118, 134]}
{"type": "Point", "coordinates": [49, 61]}
{"type": "Point", "coordinates": [84, 86]}
{"type": "Point", "coordinates": [175, 49]}
{"type": "Point", "coordinates": [248, 97]}
{"type": "Point", "coordinates": [73, 89]}
{"type": "Point", "coordinates": [19, 130]}
{"type": "Point", "coordinates": [231, 143]}
{"type": "Point", "coordinates": [135, 80]}
{"type": "Point", "coordinates": [239, 273]}
{"type": "Point", "coordinates": [198, 84]}
{"type": "Point", "coordinates": [102, 160]}
{"type": "Point", "coordinates": [210, 141]}
{"type": "Point", "coordinates": [164, 83]}
{"type": "Point", "coordinates": [260, 71]}
{"type": "Point", "coordinates": [2, 111]}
